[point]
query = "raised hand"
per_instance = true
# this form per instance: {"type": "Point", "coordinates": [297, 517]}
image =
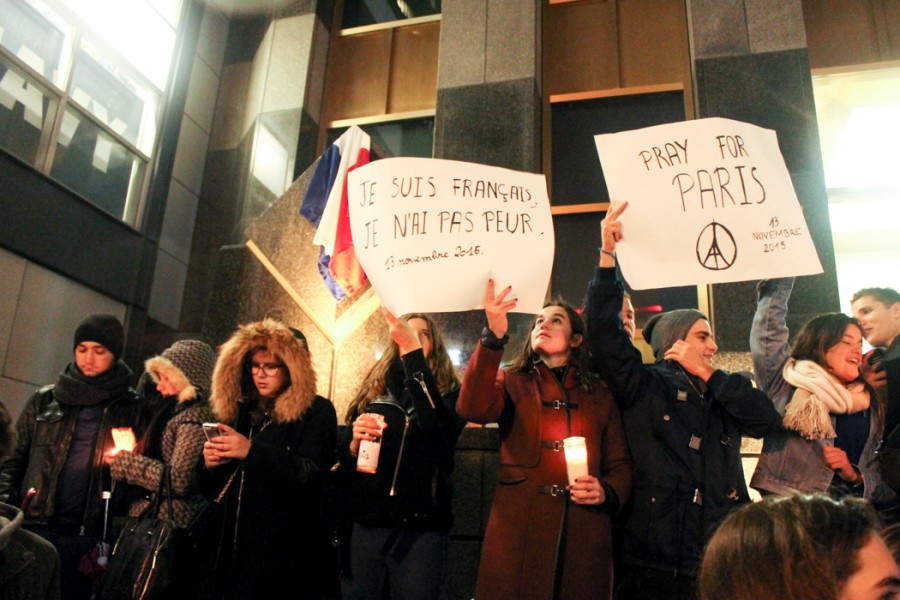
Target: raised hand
{"type": "Point", "coordinates": [690, 359]}
{"type": "Point", "coordinates": [496, 307]}
{"type": "Point", "coordinates": [611, 227]}
{"type": "Point", "coordinates": [874, 374]}
{"type": "Point", "coordinates": [401, 332]}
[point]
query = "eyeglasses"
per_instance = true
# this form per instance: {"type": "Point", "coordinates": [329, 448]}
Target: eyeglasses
{"type": "Point", "coordinates": [269, 370]}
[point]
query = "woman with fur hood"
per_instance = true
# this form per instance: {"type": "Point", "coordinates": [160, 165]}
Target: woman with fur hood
{"type": "Point", "coordinates": [182, 373]}
{"type": "Point", "coordinates": [268, 465]}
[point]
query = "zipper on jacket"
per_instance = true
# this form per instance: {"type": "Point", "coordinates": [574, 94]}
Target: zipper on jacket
{"type": "Point", "coordinates": [399, 454]}
{"type": "Point", "coordinates": [390, 400]}
{"type": "Point", "coordinates": [420, 378]}
{"type": "Point", "coordinates": [97, 466]}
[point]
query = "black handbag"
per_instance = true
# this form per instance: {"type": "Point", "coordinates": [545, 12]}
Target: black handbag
{"type": "Point", "coordinates": [143, 561]}
{"type": "Point", "coordinates": [200, 532]}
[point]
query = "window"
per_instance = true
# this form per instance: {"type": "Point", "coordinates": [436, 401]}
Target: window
{"type": "Point", "coordinates": [369, 12]}
{"type": "Point", "coordinates": [81, 84]}
{"type": "Point", "coordinates": [859, 123]}
{"type": "Point", "coordinates": [409, 137]}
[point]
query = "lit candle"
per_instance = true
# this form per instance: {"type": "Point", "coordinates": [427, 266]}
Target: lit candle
{"type": "Point", "coordinates": [123, 438]}
{"type": "Point", "coordinates": [576, 458]}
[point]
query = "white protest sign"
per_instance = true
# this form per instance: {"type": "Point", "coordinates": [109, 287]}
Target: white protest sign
{"type": "Point", "coordinates": [430, 233]}
{"type": "Point", "coordinates": [709, 201]}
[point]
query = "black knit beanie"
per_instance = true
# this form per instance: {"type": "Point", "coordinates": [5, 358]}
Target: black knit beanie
{"type": "Point", "coordinates": [103, 329]}
{"type": "Point", "coordinates": [664, 329]}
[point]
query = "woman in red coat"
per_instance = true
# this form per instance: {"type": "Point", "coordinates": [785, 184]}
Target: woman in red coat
{"type": "Point", "coordinates": [546, 539]}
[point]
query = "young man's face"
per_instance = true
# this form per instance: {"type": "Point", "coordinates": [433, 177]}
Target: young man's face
{"type": "Point", "coordinates": [700, 337]}
{"type": "Point", "coordinates": [880, 323]}
{"type": "Point", "coordinates": [628, 317]}
{"type": "Point", "coordinates": [93, 359]}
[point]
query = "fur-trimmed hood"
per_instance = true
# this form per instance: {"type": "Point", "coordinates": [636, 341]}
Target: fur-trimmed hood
{"type": "Point", "coordinates": [230, 371]}
{"type": "Point", "coordinates": [188, 364]}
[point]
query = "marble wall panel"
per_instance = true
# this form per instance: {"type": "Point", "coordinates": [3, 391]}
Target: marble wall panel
{"type": "Point", "coordinates": [13, 268]}
{"type": "Point", "coordinates": [495, 124]}
{"type": "Point", "coordinates": [719, 28]}
{"type": "Point", "coordinates": [463, 48]}
{"type": "Point", "coordinates": [774, 25]}
{"type": "Point", "coordinates": [513, 26]}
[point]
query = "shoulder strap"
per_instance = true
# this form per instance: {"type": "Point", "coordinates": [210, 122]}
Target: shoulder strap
{"type": "Point", "coordinates": [164, 489]}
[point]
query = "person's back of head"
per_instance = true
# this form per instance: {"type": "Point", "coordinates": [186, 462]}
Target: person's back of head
{"type": "Point", "coordinates": [788, 548]}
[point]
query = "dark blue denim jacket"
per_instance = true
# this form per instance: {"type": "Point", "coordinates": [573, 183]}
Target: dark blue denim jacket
{"type": "Point", "coordinates": [788, 461]}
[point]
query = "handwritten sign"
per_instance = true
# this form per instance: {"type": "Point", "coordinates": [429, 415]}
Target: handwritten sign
{"type": "Point", "coordinates": [709, 201]}
{"type": "Point", "coordinates": [430, 233]}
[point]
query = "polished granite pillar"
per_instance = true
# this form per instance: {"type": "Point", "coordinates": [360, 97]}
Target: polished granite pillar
{"type": "Point", "coordinates": [489, 98]}
{"type": "Point", "coordinates": [269, 97]}
{"type": "Point", "coordinates": [751, 65]}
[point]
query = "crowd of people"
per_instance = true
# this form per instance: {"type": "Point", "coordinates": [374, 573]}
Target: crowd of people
{"type": "Point", "coordinates": [276, 502]}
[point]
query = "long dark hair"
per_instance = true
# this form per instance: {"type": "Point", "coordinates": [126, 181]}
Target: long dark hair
{"type": "Point", "coordinates": [579, 356]}
{"type": "Point", "coordinates": [374, 384]}
{"type": "Point", "coordinates": [820, 335]}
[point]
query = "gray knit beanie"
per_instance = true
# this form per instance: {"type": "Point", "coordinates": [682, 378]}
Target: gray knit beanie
{"type": "Point", "coordinates": [191, 360]}
{"type": "Point", "coordinates": [664, 329]}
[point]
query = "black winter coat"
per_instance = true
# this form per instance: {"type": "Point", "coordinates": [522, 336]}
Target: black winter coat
{"type": "Point", "coordinates": [273, 541]}
{"type": "Point", "coordinates": [686, 446]}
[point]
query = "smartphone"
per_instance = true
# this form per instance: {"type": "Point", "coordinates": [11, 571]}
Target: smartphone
{"type": "Point", "coordinates": [212, 430]}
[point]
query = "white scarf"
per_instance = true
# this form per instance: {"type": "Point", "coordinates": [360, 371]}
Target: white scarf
{"type": "Point", "coordinates": [818, 396]}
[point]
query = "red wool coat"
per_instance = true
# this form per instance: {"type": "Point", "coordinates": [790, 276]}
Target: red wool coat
{"type": "Point", "coordinates": [534, 537]}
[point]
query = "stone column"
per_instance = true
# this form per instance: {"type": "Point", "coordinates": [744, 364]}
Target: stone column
{"type": "Point", "coordinates": [264, 130]}
{"type": "Point", "coordinates": [489, 83]}
{"type": "Point", "coordinates": [751, 64]}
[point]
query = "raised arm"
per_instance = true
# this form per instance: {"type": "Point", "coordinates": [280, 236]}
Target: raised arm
{"type": "Point", "coordinates": [613, 355]}
{"type": "Point", "coordinates": [482, 397]}
{"type": "Point", "coordinates": [769, 346]}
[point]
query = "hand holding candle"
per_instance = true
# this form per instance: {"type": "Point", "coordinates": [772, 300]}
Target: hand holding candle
{"type": "Point", "coordinates": [583, 487]}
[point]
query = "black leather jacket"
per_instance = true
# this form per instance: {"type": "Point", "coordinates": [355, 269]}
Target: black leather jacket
{"type": "Point", "coordinates": [44, 435]}
{"type": "Point", "coordinates": [411, 488]}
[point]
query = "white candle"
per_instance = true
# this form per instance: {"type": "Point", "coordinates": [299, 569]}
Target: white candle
{"type": "Point", "coordinates": [576, 458]}
{"type": "Point", "coordinates": [367, 461]}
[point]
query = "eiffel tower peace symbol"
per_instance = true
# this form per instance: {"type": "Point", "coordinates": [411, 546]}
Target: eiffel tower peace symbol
{"type": "Point", "coordinates": [716, 248]}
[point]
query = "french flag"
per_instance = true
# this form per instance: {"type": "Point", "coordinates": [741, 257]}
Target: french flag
{"type": "Point", "coordinates": [325, 207]}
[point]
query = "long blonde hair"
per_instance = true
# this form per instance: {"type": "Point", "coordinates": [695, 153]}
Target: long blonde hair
{"type": "Point", "coordinates": [373, 386]}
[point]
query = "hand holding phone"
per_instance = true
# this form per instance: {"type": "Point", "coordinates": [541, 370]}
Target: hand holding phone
{"type": "Point", "coordinates": [212, 430]}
